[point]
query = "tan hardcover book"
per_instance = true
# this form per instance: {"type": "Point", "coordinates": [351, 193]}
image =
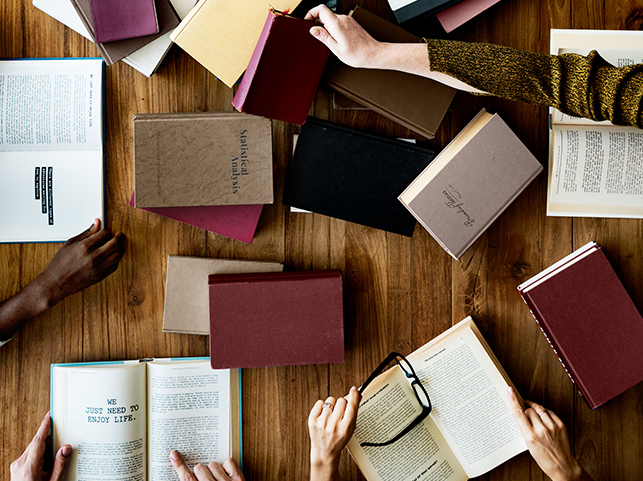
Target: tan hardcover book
{"type": "Point", "coordinates": [470, 429]}
{"type": "Point", "coordinates": [200, 159]}
{"type": "Point", "coordinates": [187, 308]}
{"type": "Point", "coordinates": [415, 102]}
{"type": "Point", "coordinates": [221, 34]}
{"type": "Point", "coordinates": [471, 182]}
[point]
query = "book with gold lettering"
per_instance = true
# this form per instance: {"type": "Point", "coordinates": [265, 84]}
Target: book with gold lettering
{"type": "Point", "coordinates": [202, 159]}
{"type": "Point", "coordinates": [470, 183]}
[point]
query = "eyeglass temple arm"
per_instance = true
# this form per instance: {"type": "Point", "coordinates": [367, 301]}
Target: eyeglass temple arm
{"type": "Point", "coordinates": [378, 369]}
{"type": "Point", "coordinates": [416, 421]}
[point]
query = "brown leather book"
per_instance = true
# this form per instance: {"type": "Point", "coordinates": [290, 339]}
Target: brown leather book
{"type": "Point", "coordinates": [276, 319]}
{"type": "Point", "coordinates": [417, 103]}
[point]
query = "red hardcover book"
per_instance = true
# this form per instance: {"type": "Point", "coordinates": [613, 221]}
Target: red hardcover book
{"type": "Point", "coordinates": [590, 322]}
{"type": "Point", "coordinates": [284, 71]}
{"type": "Point", "coordinates": [276, 319]}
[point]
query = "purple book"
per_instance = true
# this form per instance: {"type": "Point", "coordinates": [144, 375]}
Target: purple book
{"type": "Point", "coordinates": [122, 19]}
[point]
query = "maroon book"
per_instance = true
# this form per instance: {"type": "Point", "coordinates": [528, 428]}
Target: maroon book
{"type": "Point", "coordinates": [276, 319]}
{"type": "Point", "coordinates": [284, 71]}
{"type": "Point", "coordinates": [590, 322]}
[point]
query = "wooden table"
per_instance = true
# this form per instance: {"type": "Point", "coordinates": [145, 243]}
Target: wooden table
{"type": "Point", "coordinates": [400, 292]}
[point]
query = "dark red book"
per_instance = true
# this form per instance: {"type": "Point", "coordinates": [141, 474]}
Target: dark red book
{"type": "Point", "coordinates": [276, 319]}
{"type": "Point", "coordinates": [590, 322]}
{"type": "Point", "coordinates": [284, 71]}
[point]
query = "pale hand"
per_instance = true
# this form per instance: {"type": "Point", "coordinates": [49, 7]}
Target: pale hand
{"type": "Point", "coordinates": [228, 471]}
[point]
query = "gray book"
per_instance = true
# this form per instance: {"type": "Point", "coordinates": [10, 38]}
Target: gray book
{"type": "Point", "coordinates": [471, 183]}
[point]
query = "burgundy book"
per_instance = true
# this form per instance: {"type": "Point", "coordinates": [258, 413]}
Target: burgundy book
{"type": "Point", "coordinates": [276, 319]}
{"type": "Point", "coordinates": [284, 71]}
{"type": "Point", "coordinates": [122, 19]}
{"type": "Point", "coordinates": [590, 322]}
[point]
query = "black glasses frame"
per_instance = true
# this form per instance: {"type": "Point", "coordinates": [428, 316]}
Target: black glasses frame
{"type": "Point", "coordinates": [409, 372]}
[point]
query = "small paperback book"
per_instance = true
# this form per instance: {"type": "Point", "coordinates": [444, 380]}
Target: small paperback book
{"type": "Point", "coordinates": [280, 319]}
{"type": "Point", "coordinates": [417, 10]}
{"type": "Point", "coordinates": [201, 159]}
{"type": "Point", "coordinates": [51, 148]}
{"type": "Point", "coordinates": [280, 86]}
{"type": "Point", "coordinates": [187, 307]}
{"type": "Point", "coordinates": [590, 322]}
{"type": "Point", "coordinates": [121, 19]}
{"type": "Point", "coordinates": [123, 418]}
{"type": "Point", "coordinates": [470, 429]}
{"type": "Point", "coordinates": [470, 183]}
{"type": "Point", "coordinates": [595, 167]}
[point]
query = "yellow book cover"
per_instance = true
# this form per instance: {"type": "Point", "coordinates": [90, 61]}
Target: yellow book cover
{"type": "Point", "coordinates": [221, 34]}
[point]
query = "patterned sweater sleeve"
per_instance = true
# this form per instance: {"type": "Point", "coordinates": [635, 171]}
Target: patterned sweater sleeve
{"type": "Point", "coordinates": [576, 85]}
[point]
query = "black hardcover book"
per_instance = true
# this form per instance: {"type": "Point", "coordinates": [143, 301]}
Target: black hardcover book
{"type": "Point", "coordinates": [353, 176]}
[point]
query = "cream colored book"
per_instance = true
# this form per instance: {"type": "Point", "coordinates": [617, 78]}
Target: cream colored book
{"type": "Point", "coordinates": [470, 430]}
{"type": "Point", "coordinates": [123, 418]}
{"type": "Point", "coordinates": [594, 167]}
{"type": "Point", "coordinates": [222, 34]}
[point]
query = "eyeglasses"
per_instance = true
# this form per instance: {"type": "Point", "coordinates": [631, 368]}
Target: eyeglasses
{"type": "Point", "coordinates": [420, 393]}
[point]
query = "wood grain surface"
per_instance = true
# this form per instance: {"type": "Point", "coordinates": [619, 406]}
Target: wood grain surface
{"type": "Point", "coordinates": [399, 292]}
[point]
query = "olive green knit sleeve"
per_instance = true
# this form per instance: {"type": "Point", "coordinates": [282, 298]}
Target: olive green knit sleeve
{"type": "Point", "coordinates": [576, 85]}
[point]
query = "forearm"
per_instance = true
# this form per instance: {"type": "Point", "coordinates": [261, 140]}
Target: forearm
{"type": "Point", "coordinates": [24, 306]}
{"type": "Point", "coordinates": [324, 470]}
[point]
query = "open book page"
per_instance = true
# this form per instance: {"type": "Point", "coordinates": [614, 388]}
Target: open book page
{"type": "Point", "coordinates": [596, 170]}
{"type": "Point", "coordinates": [468, 394]}
{"type": "Point", "coordinates": [49, 196]}
{"type": "Point", "coordinates": [389, 405]}
{"type": "Point", "coordinates": [189, 410]}
{"type": "Point", "coordinates": [53, 104]}
{"type": "Point", "coordinates": [100, 411]}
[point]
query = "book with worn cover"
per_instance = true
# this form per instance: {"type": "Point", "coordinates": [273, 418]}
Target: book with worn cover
{"type": "Point", "coordinates": [112, 52]}
{"type": "Point", "coordinates": [279, 318]}
{"type": "Point", "coordinates": [51, 148]}
{"type": "Point", "coordinates": [221, 35]}
{"type": "Point", "coordinates": [202, 159]}
{"type": "Point", "coordinates": [418, 10]}
{"type": "Point", "coordinates": [470, 183]}
{"type": "Point", "coordinates": [279, 86]}
{"type": "Point", "coordinates": [354, 176]}
{"type": "Point", "coordinates": [460, 13]}
{"type": "Point", "coordinates": [415, 102]}
{"type": "Point", "coordinates": [470, 429]}
{"type": "Point", "coordinates": [146, 59]}
{"type": "Point", "coordinates": [594, 167]}
{"type": "Point", "coordinates": [124, 417]}
{"type": "Point", "coordinates": [590, 322]}
{"type": "Point", "coordinates": [187, 308]}
{"type": "Point", "coordinates": [121, 19]}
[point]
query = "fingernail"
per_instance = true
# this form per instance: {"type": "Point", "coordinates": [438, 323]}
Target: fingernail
{"type": "Point", "coordinates": [510, 391]}
{"type": "Point", "coordinates": [353, 388]}
{"type": "Point", "coordinates": [315, 32]}
{"type": "Point", "coordinates": [174, 455]}
{"type": "Point", "coordinates": [66, 450]}
{"type": "Point", "coordinates": [48, 414]}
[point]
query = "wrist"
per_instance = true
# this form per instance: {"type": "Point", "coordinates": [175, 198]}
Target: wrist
{"type": "Point", "coordinates": [573, 473]}
{"type": "Point", "coordinates": [324, 469]}
{"type": "Point", "coordinates": [44, 294]}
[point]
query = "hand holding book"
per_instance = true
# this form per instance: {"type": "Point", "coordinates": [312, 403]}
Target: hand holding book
{"type": "Point", "coordinates": [227, 471]}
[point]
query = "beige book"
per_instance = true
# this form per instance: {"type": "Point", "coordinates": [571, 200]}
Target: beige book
{"type": "Point", "coordinates": [187, 298]}
{"type": "Point", "coordinates": [124, 417]}
{"type": "Point", "coordinates": [202, 159]}
{"type": "Point", "coordinates": [470, 430]}
{"type": "Point", "coordinates": [470, 183]}
{"type": "Point", "coordinates": [222, 34]}
{"type": "Point", "coordinates": [594, 167]}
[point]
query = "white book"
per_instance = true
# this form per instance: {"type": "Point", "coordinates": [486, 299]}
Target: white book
{"type": "Point", "coordinates": [51, 148]}
{"type": "Point", "coordinates": [146, 60]}
{"type": "Point", "coordinates": [594, 167]}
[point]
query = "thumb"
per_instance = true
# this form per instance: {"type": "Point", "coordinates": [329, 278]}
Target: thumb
{"type": "Point", "coordinates": [91, 230]}
{"type": "Point", "coordinates": [321, 34]}
{"type": "Point", "coordinates": [63, 457]}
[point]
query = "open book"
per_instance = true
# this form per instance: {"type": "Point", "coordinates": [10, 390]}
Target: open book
{"type": "Point", "coordinates": [594, 167]}
{"type": "Point", "coordinates": [51, 148]}
{"type": "Point", "coordinates": [470, 430]}
{"type": "Point", "coordinates": [124, 418]}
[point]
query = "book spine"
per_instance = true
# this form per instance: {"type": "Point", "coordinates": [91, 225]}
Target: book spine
{"type": "Point", "coordinates": [533, 310]}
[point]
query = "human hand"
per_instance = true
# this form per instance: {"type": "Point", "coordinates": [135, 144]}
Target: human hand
{"type": "Point", "coordinates": [81, 262]}
{"type": "Point", "coordinates": [345, 38]}
{"type": "Point", "coordinates": [228, 471]}
{"type": "Point", "coordinates": [29, 466]}
{"type": "Point", "coordinates": [331, 425]}
{"type": "Point", "coordinates": [546, 438]}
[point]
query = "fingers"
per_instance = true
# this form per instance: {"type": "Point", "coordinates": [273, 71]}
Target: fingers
{"type": "Point", "coordinates": [315, 412]}
{"type": "Point", "coordinates": [338, 411]}
{"type": "Point", "coordinates": [232, 468]}
{"type": "Point", "coordinates": [327, 408]}
{"type": "Point", "coordinates": [518, 412]}
{"type": "Point", "coordinates": [203, 473]}
{"type": "Point", "coordinates": [322, 14]}
{"type": "Point", "coordinates": [112, 250]}
{"type": "Point", "coordinates": [61, 463]}
{"type": "Point", "coordinates": [91, 230]}
{"type": "Point", "coordinates": [98, 239]}
{"type": "Point", "coordinates": [352, 405]}
{"type": "Point", "coordinates": [38, 445]}
{"type": "Point", "coordinates": [539, 415]}
{"type": "Point", "coordinates": [321, 34]}
{"type": "Point", "coordinates": [180, 467]}
{"type": "Point", "coordinates": [218, 472]}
